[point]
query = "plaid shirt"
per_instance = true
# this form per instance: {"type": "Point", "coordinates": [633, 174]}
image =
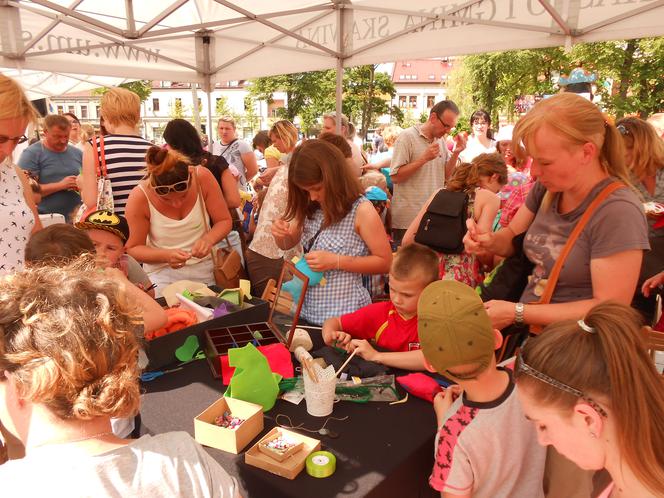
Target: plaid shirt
{"type": "Point", "coordinates": [343, 291]}
{"type": "Point", "coordinates": [513, 195]}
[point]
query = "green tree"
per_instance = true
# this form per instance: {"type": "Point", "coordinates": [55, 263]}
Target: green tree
{"type": "Point", "coordinates": [178, 110]}
{"type": "Point", "coordinates": [222, 108]}
{"type": "Point", "coordinates": [367, 96]}
{"type": "Point", "coordinates": [142, 88]}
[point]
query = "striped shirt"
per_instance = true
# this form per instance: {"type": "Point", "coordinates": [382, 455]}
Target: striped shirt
{"type": "Point", "coordinates": [125, 162]}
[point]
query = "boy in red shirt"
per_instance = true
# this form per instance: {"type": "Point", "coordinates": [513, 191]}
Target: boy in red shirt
{"type": "Point", "coordinates": [392, 325]}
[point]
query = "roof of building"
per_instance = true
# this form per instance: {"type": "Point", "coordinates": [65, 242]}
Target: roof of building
{"type": "Point", "coordinates": [422, 70]}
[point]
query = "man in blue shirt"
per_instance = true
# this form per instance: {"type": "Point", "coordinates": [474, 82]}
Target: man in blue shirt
{"type": "Point", "coordinates": [55, 164]}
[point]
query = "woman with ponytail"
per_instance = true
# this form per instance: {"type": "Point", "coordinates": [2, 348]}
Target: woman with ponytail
{"type": "Point", "coordinates": [176, 215]}
{"type": "Point", "coordinates": [481, 180]}
{"type": "Point", "coordinates": [593, 393]}
{"type": "Point", "coordinates": [576, 155]}
{"type": "Point", "coordinates": [68, 364]}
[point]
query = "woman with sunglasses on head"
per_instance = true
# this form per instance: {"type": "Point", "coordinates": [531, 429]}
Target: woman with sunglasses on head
{"type": "Point", "coordinates": [169, 213]}
{"type": "Point", "coordinates": [18, 214]}
{"type": "Point", "coordinates": [593, 392]}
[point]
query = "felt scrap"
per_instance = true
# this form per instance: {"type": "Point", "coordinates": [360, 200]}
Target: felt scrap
{"type": "Point", "coordinates": [178, 287]}
{"type": "Point", "coordinates": [315, 277]}
{"type": "Point", "coordinates": [253, 381]}
{"type": "Point", "coordinates": [277, 356]}
{"type": "Point", "coordinates": [420, 385]}
{"type": "Point", "coordinates": [176, 319]}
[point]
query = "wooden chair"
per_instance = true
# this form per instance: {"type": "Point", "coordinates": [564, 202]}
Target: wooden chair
{"type": "Point", "coordinates": [655, 341]}
{"type": "Point", "coordinates": [285, 302]}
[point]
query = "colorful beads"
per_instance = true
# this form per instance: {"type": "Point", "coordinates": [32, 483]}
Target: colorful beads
{"type": "Point", "coordinates": [281, 443]}
{"type": "Point", "coordinates": [228, 421]}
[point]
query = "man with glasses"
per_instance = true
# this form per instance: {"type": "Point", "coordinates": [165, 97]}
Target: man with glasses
{"type": "Point", "coordinates": [55, 164]}
{"type": "Point", "coordinates": [421, 163]}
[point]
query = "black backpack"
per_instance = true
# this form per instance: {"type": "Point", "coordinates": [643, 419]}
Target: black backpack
{"type": "Point", "coordinates": [443, 226]}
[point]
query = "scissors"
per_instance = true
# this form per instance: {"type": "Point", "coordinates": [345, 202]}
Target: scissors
{"type": "Point", "coordinates": [148, 376]}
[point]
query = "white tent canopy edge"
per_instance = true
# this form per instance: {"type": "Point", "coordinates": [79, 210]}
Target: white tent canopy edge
{"type": "Point", "coordinates": [206, 41]}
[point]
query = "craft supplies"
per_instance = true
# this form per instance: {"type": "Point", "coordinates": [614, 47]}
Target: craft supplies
{"type": "Point", "coordinates": [319, 393]}
{"type": "Point", "coordinates": [346, 362]}
{"type": "Point", "coordinates": [291, 465]}
{"type": "Point", "coordinates": [229, 424]}
{"type": "Point", "coordinates": [228, 421]}
{"type": "Point", "coordinates": [321, 464]}
{"type": "Point", "coordinates": [301, 339]}
{"type": "Point", "coordinates": [323, 431]}
{"type": "Point", "coordinates": [280, 446]}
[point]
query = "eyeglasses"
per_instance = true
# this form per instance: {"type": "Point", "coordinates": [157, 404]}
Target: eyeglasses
{"type": "Point", "coordinates": [163, 190]}
{"type": "Point", "coordinates": [445, 125]}
{"type": "Point", "coordinates": [623, 131]}
{"type": "Point", "coordinates": [522, 367]}
{"type": "Point", "coordinates": [17, 140]}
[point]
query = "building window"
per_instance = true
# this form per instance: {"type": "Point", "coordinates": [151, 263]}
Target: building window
{"type": "Point", "coordinates": [155, 105]}
{"type": "Point", "coordinates": [61, 109]}
{"type": "Point", "coordinates": [71, 109]}
{"type": "Point", "coordinates": [431, 100]}
{"type": "Point", "coordinates": [412, 101]}
{"type": "Point", "coordinates": [97, 111]}
{"type": "Point", "coordinates": [432, 76]}
{"type": "Point", "coordinates": [84, 112]}
{"type": "Point", "coordinates": [401, 76]}
{"type": "Point", "coordinates": [402, 101]}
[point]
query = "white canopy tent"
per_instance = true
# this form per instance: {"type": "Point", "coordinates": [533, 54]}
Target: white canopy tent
{"type": "Point", "coordinates": [208, 41]}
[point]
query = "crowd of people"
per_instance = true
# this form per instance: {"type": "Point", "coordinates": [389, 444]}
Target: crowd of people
{"type": "Point", "coordinates": [441, 252]}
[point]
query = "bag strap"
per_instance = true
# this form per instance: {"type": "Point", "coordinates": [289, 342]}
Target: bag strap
{"type": "Point", "coordinates": [102, 153]}
{"type": "Point", "coordinates": [558, 266]}
{"type": "Point", "coordinates": [206, 221]}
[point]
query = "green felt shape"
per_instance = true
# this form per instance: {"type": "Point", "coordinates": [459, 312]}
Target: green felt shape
{"type": "Point", "coordinates": [188, 295]}
{"type": "Point", "coordinates": [231, 295]}
{"type": "Point", "coordinates": [252, 381]}
{"type": "Point", "coordinates": [187, 351]}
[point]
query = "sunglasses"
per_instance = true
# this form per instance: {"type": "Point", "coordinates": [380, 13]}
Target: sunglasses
{"type": "Point", "coordinates": [163, 190]}
{"type": "Point", "coordinates": [623, 131]}
{"type": "Point", "coordinates": [17, 140]}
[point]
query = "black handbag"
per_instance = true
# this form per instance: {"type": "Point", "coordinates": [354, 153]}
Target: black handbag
{"type": "Point", "coordinates": [443, 226]}
{"type": "Point", "coordinates": [509, 278]}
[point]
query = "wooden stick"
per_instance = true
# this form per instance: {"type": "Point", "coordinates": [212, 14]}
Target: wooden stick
{"type": "Point", "coordinates": [310, 327]}
{"type": "Point", "coordinates": [308, 366]}
{"type": "Point", "coordinates": [345, 362]}
{"type": "Point", "coordinates": [312, 368]}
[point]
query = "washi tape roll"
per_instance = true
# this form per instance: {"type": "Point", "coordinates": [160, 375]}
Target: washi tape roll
{"type": "Point", "coordinates": [321, 464]}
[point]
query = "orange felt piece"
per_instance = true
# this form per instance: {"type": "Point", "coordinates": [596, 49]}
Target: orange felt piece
{"type": "Point", "coordinates": [177, 319]}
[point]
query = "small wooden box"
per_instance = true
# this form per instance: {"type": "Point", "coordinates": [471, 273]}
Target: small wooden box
{"type": "Point", "coordinates": [291, 466]}
{"type": "Point", "coordinates": [278, 455]}
{"type": "Point", "coordinates": [223, 438]}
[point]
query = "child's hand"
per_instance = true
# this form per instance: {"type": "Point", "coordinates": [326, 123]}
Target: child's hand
{"type": "Point", "coordinates": [322, 260]}
{"type": "Point", "coordinates": [340, 339]}
{"type": "Point", "coordinates": [443, 401]}
{"type": "Point", "coordinates": [652, 283]}
{"type": "Point", "coordinates": [364, 349]}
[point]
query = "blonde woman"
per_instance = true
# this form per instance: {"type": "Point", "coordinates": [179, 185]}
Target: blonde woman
{"type": "Point", "coordinates": [576, 153]}
{"type": "Point", "coordinates": [264, 258]}
{"type": "Point", "coordinates": [68, 364]}
{"type": "Point", "coordinates": [18, 213]}
{"type": "Point", "coordinates": [168, 213]}
{"type": "Point", "coordinates": [123, 150]}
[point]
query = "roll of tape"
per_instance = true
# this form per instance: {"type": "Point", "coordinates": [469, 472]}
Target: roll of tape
{"type": "Point", "coordinates": [321, 464]}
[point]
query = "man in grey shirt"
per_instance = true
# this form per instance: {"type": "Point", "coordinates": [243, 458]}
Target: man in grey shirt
{"type": "Point", "coordinates": [421, 163]}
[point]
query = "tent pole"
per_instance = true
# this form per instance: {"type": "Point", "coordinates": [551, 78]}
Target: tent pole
{"type": "Point", "coordinates": [208, 96]}
{"type": "Point", "coordinates": [340, 65]}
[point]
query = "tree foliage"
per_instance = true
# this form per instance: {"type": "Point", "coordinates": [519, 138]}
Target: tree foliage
{"type": "Point", "coordinates": [629, 76]}
{"type": "Point", "coordinates": [366, 95]}
{"type": "Point", "coordinates": [142, 88]}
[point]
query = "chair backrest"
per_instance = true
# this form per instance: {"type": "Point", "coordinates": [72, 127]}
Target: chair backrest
{"type": "Point", "coordinates": [285, 303]}
{"type": "Point", "coordinates": [655, 342]}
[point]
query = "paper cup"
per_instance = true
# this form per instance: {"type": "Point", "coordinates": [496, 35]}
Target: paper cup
{"type": "Point", "coordinates": [320, 396]}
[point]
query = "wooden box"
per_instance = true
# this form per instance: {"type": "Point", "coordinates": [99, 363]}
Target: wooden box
{"type": "Point", "coordinates": [292, 465]}
{"type": "Point", "coordinates": [223, 438]}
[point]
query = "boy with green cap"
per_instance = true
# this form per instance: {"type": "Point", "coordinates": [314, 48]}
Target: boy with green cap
{"type": "Point", "coordinates": [484, 445]}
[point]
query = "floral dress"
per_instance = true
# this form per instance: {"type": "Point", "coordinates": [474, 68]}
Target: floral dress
{"type": "Point", "coordinates": [464, 267]}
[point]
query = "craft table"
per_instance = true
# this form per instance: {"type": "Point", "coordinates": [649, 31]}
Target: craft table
{"type": "Point", "coordinates": [382, 451]}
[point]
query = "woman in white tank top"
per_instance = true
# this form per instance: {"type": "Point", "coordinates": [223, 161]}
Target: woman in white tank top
{"type": "Point", "coordinates": [168, 213]}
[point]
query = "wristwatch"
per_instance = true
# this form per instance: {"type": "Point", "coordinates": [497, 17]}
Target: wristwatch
{"type": "Point", "coordinates": [518, 313]}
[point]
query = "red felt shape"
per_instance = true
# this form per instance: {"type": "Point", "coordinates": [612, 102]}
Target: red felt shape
{"type": "Point", "coordinates": [420, 385]}
{"type": "Point", "coordinates": [278, 357]}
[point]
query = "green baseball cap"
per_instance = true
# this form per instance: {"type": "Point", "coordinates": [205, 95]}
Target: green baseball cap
{"type": "Point", "coordinates": [453, 327]}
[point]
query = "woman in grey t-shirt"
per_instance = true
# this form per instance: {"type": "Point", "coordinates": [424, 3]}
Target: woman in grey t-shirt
{"type": "Point", "coordinates": [575, 153]}
{"type": "Point", "coordinates": [68, 364]}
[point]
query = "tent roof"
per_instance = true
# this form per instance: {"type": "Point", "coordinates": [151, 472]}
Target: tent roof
{"type": "Point", "coordinates": [209, 41]}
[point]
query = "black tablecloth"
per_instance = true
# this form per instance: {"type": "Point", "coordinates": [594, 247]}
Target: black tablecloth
{"type": "Point", "coordinates": [382, 450]}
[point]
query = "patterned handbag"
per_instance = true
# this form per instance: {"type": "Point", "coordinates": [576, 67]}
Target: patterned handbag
{"type": "Point", "coordinates": [104, 188]}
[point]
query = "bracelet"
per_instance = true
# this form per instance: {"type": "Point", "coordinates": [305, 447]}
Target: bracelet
{"type": "Point", "coordinates": [518, 313]}
{"type": "Point", "coordinates": [338, 262]}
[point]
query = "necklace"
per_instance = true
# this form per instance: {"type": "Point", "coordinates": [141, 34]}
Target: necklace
{"type": "Point", "coordinates": [85, 438]}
